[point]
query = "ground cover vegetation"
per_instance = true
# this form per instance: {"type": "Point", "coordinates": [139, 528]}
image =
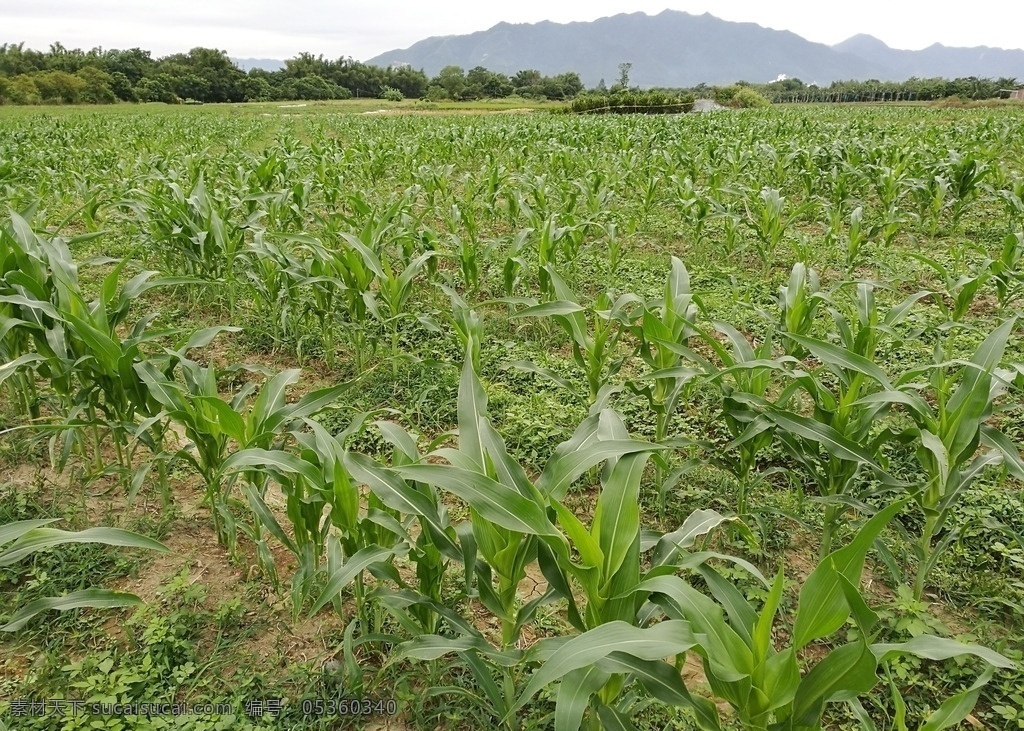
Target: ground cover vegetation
{"type": "Point", "coordinates": [512, 420]}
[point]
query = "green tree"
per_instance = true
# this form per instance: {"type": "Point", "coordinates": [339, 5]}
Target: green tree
{"type": "Point", "coordinates": [97, 89]}
{"type": "Point", "coordinates": [624, 69]}
{"type": "Point", "coordinates": [452, 80]}
{"type": "Point", "coordinates": [59, 87]}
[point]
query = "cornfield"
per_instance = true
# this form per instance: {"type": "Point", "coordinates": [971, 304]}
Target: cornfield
{"type": "Point", "coordinates": [416, 365]}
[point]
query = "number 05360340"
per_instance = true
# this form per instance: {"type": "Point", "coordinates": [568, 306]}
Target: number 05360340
{"type": "Point", "coordinates": [349, 707]}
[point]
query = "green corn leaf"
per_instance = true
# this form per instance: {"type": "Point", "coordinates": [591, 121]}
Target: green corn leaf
{"type": "Point", "coordinates": [956, 708]}
{"type": "Point", "coordinates": [613, 720]}
{"type": "Point", "coordinates": [97, 598]}
{"type": "Point", "coordinates": [842, 358]}
{"type": "Point", "coordinates": [574, 696]}
{"type": "Point", "coordinates": [822, 607]}
{"type": "Point", "coordinates": [494, 501]}
{"type": "Point", "coordinates": [671, 637]}
{"type": "Point", "coordinates": [356, 564]}
{"type": "Point", "coordinates": [930, 647]}
{"type": "Point", "coordinates": [831, 440]}
{"type": "Point", "coordinates": [617, 515]}
{"type": "Point", "coordinates": [39, 538]}
{"type": "Point", "coordinates": [13, 531]}
{"type": "Point", "coordinates": [398, 495]}
{"type": "Point", "coordinates": [844, 673]}
{"type": "Point", "coordinates": [274, 461]}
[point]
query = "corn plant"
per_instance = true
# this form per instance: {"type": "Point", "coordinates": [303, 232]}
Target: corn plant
{"type": "Point", "coordinates": [192, 232]}
{"type": "Point", "coordinates": [1008, 269]}
{"type": "Point", "coordinates": [664, 328]}
{"type": "Point", "coordinates": [24, 537]}
{"type": "Point", "coordinates": [761, 682]}
{"type": "Point", "coordinates": [395, 284]}
{"type": "Point", "coordinates": [769, 216]}
{"type": "Point", "coordinates": [798, 303]}
{"type": "Point", "coordinates": [934, 196]}
{"type": "Point", "coordinates": [215, 427]}
{"type": "Point", "coordinates": [78, 346]}
{"type": "Point", "coordinates": [966, 175]}
{"type": "Point", "coordinates": [594, 333]}
{"type": "Point", "coordinates": [949, 428]}
{"type": "Point", "coordinates": [742, 381]}
{"type": "Point", "coordinates": [958, 291]}
{"type": "Point", "coordinates": [511, 528]}
{"type": "Point", "coordinates": [850, 395]}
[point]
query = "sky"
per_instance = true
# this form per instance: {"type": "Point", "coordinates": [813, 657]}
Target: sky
{"type": "Point", "coordinates": [281, 30]}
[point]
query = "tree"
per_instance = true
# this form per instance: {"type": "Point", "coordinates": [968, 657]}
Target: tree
{"type": "Point", "coordinates": [624, 68]}
{"type": "Point", "coordinates": [452, 80]}
{"type": "Point", "coordinates": [97, 86]}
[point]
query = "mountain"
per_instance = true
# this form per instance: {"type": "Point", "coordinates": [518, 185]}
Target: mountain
{"type": "Point", "coordinates": [936, 60]}
{"type": "Point", "coordinates": [267, 64]}
{"type": "Point", "coordinates": [675, 48]}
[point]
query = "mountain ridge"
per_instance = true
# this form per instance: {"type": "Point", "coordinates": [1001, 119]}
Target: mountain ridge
{"type": "Point", "coordinates": [675, 48]}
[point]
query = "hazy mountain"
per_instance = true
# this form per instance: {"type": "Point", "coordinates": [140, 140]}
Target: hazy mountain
{"type": "Point", "coordinates": [675, 48]}
{"type": "Point", "coordinates": [267, 64]}
{"type": "Point", "coordinates": [936, 60]}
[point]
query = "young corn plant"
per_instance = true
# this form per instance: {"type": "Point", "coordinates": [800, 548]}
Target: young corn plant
{"type": "Point", "coordinates": [950, 425]}
{"type": "Point", "coordinates": [769, 216]}
{"type": "Point", "coordinates": [1008, 270]}
{"type": "Point", "coordinates": [511, 528]}
{"type": "Point", "coordinates": [215, 428]}
{"type": "Point", "coordinates": [743, 380]}
{"type": "Point", "coordinates": [395, 284]}
{"type": "Point", "coordinates": [663, 331]}
{"type": "Point", "coordinates": [322, 503]}
{"type": "Point", "coordinates": [959, 290]}
{"type": "Point", "coordinates": [967, 174]}
{"type": "Point", "coordinates": [850, 395]}
{"type": "Point", "coordinates": [22, 538]}
{"type": "Point", "coordinates": [594, 333]}
{"type": "Point", "coordinates": [799, 302]}
{"type": "Point", "coordinates": [734, 638]}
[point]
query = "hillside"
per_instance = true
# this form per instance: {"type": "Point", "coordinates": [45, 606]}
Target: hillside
{"type": "Point", "coordinates": [676, 48]}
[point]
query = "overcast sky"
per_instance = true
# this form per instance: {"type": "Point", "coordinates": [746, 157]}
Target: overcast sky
{"type": "Point", "coordinates": [283, 28]}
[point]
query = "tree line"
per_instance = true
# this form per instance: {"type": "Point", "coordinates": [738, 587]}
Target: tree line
{"type": "Point", "coordinates": [873, 90]}
{"type": "Point", "coordinates": [74, 76]}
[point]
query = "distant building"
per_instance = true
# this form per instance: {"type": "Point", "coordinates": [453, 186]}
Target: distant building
{"type": "Point", "coordinates": [1018, 94]}
{"type": "Point", "coordinates": [399, 66]}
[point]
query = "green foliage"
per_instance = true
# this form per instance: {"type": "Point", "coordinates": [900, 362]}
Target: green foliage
{"type": "Point", "coordinates": [630, 102]}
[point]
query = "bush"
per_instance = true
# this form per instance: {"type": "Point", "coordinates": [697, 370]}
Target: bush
{"type": "Point", "coordinates": [633, 102]}
{"type": "Point", "coordinates": [747, 98]}
{"type": "Point", "coordinates": [391, 94]}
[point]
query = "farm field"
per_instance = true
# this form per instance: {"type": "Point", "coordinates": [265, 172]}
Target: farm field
{"type": "Point", "coordinates": [512, 420]}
